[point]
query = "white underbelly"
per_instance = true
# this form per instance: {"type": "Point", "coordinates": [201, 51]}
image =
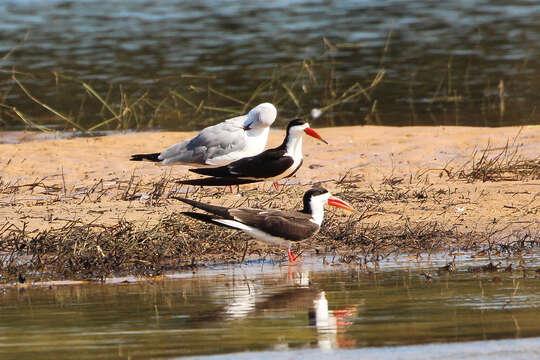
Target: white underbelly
{"type": "Point", "coordinates": [268, 239]}
{"type": "Point", "coordinates": [255, 233]}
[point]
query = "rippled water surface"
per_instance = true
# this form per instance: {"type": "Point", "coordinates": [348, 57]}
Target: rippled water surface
{"type": "Point", "coordinates": [452, 62]}
{"type": "Point", "coordinates": [264, 306]}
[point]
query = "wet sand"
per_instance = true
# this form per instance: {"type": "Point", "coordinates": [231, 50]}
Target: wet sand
{"type": "Point", "coordinates": [46, 183]}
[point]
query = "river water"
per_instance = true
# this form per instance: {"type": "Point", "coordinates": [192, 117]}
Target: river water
{"type": "Point", "coordinates": [406, 308]}
{"type": "Point", "coordinates": [454, 62]}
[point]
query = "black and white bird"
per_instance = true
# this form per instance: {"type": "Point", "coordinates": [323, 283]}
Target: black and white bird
{"type": "Point", "coordinates": [220, 144]}
{"type": "Point", "coordinates": [272, 226]}
{"type": "Point", "coordinates": [272, 164]}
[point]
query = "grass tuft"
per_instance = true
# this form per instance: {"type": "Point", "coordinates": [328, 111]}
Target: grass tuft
{"type": "Point", "coordinates": [500, 164]}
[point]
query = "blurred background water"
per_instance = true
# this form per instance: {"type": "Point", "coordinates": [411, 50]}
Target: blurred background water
{"type": "Point", "coordinates": [173, 64]}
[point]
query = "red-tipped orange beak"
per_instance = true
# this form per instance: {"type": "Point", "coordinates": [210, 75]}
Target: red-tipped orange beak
{"type": "Point", "coordinates": [334, 201]}
{"type": "Point", "coordinates": [314, 134]}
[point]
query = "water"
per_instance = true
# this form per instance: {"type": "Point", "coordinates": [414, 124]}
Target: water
{"type": "Point", "coordinates": [267, 307]}
{"type": "Point", "coordinates": [453, 62]}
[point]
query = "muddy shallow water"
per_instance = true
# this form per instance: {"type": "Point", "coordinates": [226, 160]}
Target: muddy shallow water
{"type": "Point", "coordinates": [268, 307]}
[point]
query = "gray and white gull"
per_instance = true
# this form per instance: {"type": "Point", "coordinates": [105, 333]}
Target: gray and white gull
{"type": "Point", "coordinates": [220, 144]}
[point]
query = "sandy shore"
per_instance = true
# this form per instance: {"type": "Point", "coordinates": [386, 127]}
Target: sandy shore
{"type": "Point", "coordinates": [46, 183]}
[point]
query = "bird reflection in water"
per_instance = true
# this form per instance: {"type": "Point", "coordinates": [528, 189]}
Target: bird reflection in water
{"type": "Point", "coordinates": [250, 298]}
{"type": "Point", "coordinates": [330, 323]}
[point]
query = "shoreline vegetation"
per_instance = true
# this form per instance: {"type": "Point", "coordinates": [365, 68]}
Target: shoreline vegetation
{"type": "Point", "coordinates": [317, 88]}
{"type": "Point", "coordinates": [190, 101]}
{"type": "Point", "coordinates": [91, 214]}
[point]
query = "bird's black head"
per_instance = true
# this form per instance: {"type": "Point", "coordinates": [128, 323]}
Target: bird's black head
{"type": "Point", "coordinates": [295, 122]}
{"type": "Point", "coordinates": [316, 191]}
{"type": "Point", "coordinates": [295, 128]}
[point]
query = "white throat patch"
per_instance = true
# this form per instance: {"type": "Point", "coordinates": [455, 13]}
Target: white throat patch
{"type": "Point", "coordinates": [294, 142]}
{"type": "Point", "coordinates": [317, 207]}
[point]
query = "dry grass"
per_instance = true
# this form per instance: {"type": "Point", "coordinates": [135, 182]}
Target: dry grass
{"type": "Point", "coordinates": [371, 241]}
{"type": "Point", "coordinates": [500, 164]}
{"type": "Point", "coordinates": [87, 250]}
{"type": "Point", "coordinates": [79, 250]}
{"type": "Point", "coordinates": [82, 248]}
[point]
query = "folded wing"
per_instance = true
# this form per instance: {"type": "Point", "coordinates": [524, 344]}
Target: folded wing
{"type": "Point", "coordinates": [211, 142]}
{"type": "Point", "coordinates": [290, 225]}
{"type": "Point", "coordinates": [263, 166]}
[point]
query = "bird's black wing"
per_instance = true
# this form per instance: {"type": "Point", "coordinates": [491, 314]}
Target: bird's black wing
{"type": "Point", "coordinates": [289, 225]}
{"type": "Point", "coordinates": [149, 157]}
{"type": "Point", "coordinates": [216, 181]}
{"type": "Point", "coordinates": [267, 164]}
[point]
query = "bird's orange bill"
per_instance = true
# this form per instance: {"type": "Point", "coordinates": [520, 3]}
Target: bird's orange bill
{"type": "Point", "coordinates": [314, 134]}
{"type": "Point", "coordinates": [334, 201]}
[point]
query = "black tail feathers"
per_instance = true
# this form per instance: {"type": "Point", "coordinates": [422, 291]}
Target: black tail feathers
{"type": "Point", "coordinates": [211, 181]}
{"type": "Point", "coordinates": [149, 157]}
{"type": "Point", "coordinates": [206, 218]}
{"type": "Point", "coordinates": [217, 210]}
{"type": "Point", "coordinates": [222, 171]}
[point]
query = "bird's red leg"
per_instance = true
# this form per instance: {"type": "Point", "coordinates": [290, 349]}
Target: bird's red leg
{"type": "Point", "coordinates": [292, 257]}
{"type": "Point", "coordinates": [276, 185]}
{"type": "Point", "coordinates": [290, 274]}
{"type": "Point", "coordinates": [230, 188]}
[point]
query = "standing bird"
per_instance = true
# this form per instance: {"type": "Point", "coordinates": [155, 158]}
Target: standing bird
{"type": "Point", "coordinates": [272, 226]}
{"type": "Point", "coordinates": [272, 164]}
{"type": "Point", "coordinates": [220, 144]}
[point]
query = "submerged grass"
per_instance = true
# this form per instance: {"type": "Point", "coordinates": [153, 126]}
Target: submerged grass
{"type": "Point", "coordinates": [448, 89]}
{"type": "Point", "coordinates": [192, 100]}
